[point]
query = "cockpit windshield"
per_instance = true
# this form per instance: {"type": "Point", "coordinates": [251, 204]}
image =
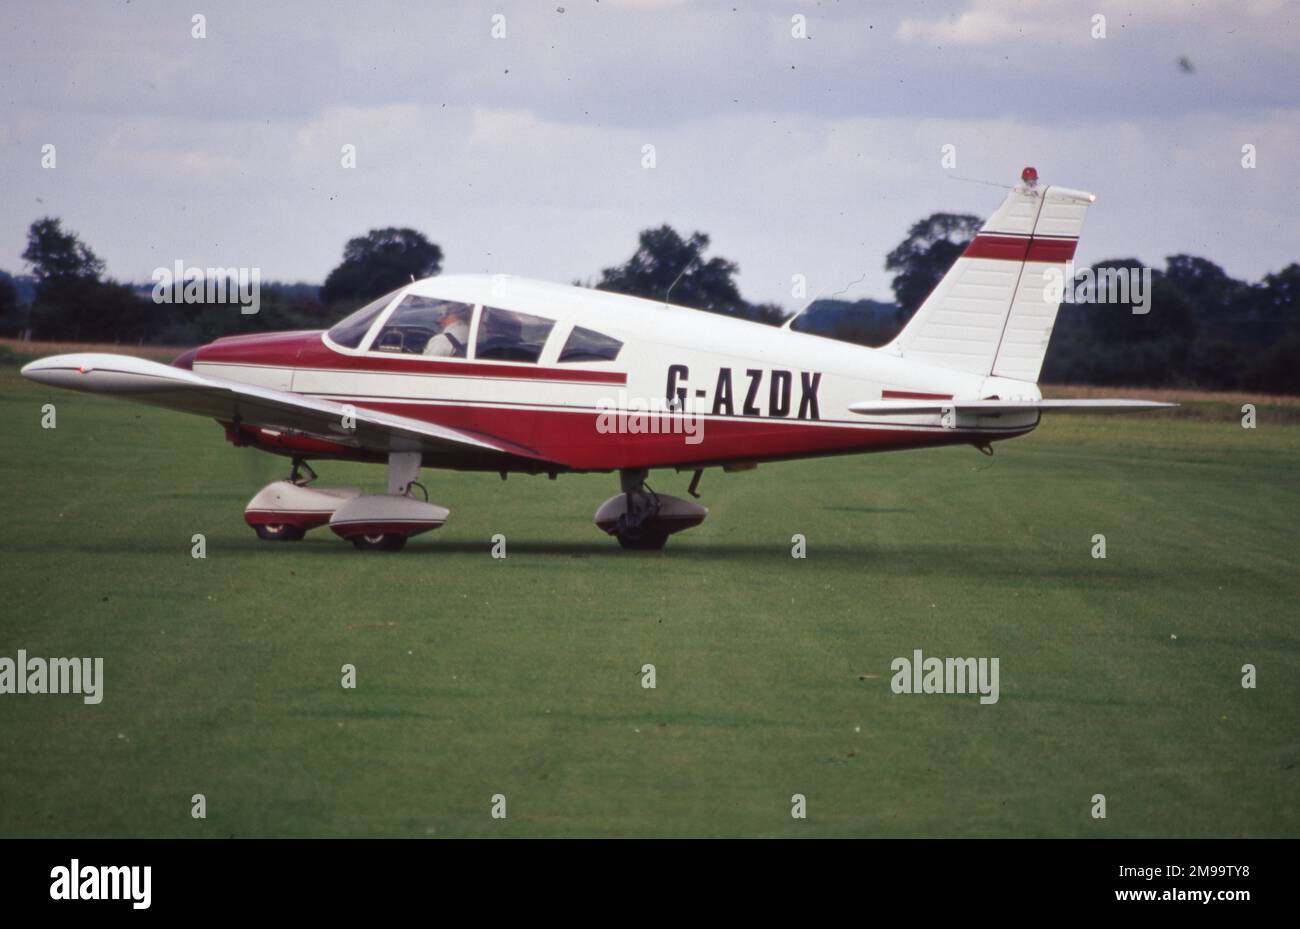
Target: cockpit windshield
{"type": "Point", "coordinates": [350, 330]}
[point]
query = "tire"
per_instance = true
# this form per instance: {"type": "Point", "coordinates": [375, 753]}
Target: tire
{"type": "Point", "coordinates": [642, 540]}
{"type": "Point", "coordinates": [388, 542]}
{"type": "Point", "coordinates": [279, 532]}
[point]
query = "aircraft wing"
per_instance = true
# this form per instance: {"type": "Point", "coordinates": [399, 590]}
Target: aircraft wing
{"type": "Point", "coordinates": [994, 407]}
{"type": "Point", "coordinates": [231, 401]}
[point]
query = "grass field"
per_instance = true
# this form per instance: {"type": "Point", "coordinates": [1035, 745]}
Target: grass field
{"type": "Point", "coordinates": [522, 676]}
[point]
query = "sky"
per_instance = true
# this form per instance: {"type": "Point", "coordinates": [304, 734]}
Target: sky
{"type": "Point", "coordinates": [801, 147]}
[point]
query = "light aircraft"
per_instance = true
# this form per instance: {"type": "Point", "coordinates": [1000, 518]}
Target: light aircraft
{"type": "Point", "coordinates": [500, 374]}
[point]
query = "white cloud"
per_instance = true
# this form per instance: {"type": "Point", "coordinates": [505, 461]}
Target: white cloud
{"type": "Point", "coordinates": [981, 26]}
{"type": "Point", "coordinates": [796, 156]}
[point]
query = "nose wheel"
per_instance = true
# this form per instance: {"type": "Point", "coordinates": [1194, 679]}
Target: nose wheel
{"type": "Point", "coordinates": [382, 542]}
{"type": "Point", "coordinates": [641, 538]}
{"type": "Point", "coordinates": [636, 528]}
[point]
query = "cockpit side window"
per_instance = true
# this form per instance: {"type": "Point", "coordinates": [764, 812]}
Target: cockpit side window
{"type": "Point", "coordinates": [426, 326]}
{"type": "Point", "coordinates": [351, 329]}
{"type": "Point", "coordinates": [589, 345]}
{"type": "Point", "coordinates": [504, 335]}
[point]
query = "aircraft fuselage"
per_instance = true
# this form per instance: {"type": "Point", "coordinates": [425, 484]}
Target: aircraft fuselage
{"type": "Point", "coordinates": [686, 388]}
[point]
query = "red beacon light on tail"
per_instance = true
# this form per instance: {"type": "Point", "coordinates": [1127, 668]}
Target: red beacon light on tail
{"type": "Point", "coordinates": [1029, 177]}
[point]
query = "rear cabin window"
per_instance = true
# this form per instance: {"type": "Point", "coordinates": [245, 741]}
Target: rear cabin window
{"type": "Point", "coordinates": [504, 335]}
{"type": "Point", "coordinates": [350, 330]}
{"type": "Point", "coordinates": [426, 326]}
{"type": "Point", "coordinates": [589, 345]}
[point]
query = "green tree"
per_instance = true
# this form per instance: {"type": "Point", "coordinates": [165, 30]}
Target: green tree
{"type": "Point", "coordinates": [71, 302]}
{"type": "Point", "coordinates": [1215, 297]}
{"type": "Point", "coordinates": [1266, 331]}
{"type": "Point", "coordinates": [380, 261]}
{"type": "Point", "coordinates": [670, 269]}
{"type": "Point", "coordinates": [921, 260]}
{"type": "Point", "coordinates": [1169, 313]}
{"type": "Point", "coordinates": [1277, 370]}
{"type": "Point", "coordinates": [769, 314]}
{"type": "Point", "coordinates": [872, 323]}
{"type": "Point", "coordinates": [1276, 302]}
{"type": "Point", "coordinates": [58, 256]}
{"type": "Point", "coordinates": [8, 300]}
{"type": "Point", "coordinates": [1201, 280]}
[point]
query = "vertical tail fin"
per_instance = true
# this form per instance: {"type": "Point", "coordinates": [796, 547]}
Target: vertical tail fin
{"type": "Point", "coordinates": [992, 313]}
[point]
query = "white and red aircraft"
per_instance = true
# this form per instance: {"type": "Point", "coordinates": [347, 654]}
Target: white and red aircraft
{"type": "Point", "coordinates": [497, 373]}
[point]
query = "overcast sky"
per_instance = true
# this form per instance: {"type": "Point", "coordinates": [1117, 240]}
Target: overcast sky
{"type": "Point", "coordinates": [523, 154]}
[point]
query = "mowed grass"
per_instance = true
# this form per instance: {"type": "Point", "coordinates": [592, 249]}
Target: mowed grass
{"type": "Point", "coordinates": [523, 676]}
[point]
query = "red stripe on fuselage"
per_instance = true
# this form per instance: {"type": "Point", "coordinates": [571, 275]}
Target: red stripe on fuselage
{"type": "Point", "coordinates": [571, 439]}
{"type": "Point", "coordinates": [911, 395]}
{"type": "Point", "coordinates": [307, 350]}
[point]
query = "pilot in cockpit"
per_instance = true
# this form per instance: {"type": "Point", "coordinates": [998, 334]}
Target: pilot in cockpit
{"type": "Point", "coordinates": [452, 340]}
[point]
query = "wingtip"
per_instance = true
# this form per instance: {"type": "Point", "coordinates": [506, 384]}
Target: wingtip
{"type": "Point", "coordinates": [34, 370]}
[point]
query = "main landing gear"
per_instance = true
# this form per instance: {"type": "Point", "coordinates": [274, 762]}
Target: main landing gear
{"type": "Point", "coordinates": [643, 520]}
{"type": "Point", "coordinates": [287, 531]}
{"type": "Point", "coordinates": [279, 532]}
{"type": "Point", "coordinates": [286, 510]}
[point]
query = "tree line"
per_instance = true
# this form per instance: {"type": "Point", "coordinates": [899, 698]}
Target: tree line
{"type": "Point", "coordinates": [1202, 328]}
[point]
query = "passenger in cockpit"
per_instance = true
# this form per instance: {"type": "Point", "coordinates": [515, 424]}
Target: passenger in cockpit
{"type": "Point", "coordinates": [452, 340]}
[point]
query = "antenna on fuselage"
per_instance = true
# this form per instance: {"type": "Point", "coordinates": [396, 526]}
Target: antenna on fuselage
{"type": "Point", "coordinates": [978, 180]}
{"type": "Point", "coordinates": [686, 267]}
{"type": "Point", "coordinates": [789, 323]}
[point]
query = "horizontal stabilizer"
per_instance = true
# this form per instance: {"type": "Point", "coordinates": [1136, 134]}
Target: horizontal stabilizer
{"type": "Point", "coordinates": [994, 407]}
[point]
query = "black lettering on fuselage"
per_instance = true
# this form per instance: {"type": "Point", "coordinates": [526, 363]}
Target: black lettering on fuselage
{"type": "Point", "coordinates": [808, 402]}
{"type": "Point", "coordinates": [778, 395]}
{"type": "Point", "coordinates": [780, 392]}
{"type": "Point", "coordinates": [755, 379]}
{"type": "Point", "coordinates": [722, 395]}
{"type": "Point", "coordinates": [673, 393]}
